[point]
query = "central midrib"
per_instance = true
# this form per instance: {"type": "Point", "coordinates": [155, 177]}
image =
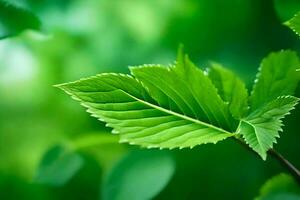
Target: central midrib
{"type": "Point", "coordinates": [178, 115]}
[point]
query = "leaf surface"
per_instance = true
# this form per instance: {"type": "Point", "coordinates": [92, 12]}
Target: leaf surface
{"type": "Point", "coordinates": [294, 23]}
{"type": "Point", "coordinates": [159, 116]}
{"type": "Point", "coordinates": [277, 76]}
{"type": "Point", "coordinates": [186, 89]}
{"type": "Point", "coordinates": [231, 89]}
{"type": "Point", "coordinates": [261, 127]}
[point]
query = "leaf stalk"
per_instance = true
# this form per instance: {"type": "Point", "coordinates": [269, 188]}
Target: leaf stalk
{"type": "Point", "coordinates": [280, 158]}
{"type": "Point", "coordinates": [286, 164]}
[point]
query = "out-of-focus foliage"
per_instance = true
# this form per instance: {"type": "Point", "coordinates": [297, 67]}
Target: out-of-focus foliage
{"type": "Point", "coordinates": [14, 19]}
{"type": "Point", "coordinates": [58, 166]}
{"type": "Point", "coordinates": [140, 175]}
{"type": "Point", "coordinates": [83, 38]}
{"type": "Point", "coordinates": [282, 186]}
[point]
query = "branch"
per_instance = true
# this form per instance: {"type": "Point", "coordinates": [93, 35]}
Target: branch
{"type": "Point", "coordinates": [283, 161]}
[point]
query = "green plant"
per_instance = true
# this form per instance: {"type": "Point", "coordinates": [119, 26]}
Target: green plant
{"type": "Point", "coordinates": [294, 23]}
{"type": "Point", "coordinates": [180, 105]}
{"type": "Point", "coordinates": [11, 15]}
{"type": "Point", "coordinates": [281, 186]}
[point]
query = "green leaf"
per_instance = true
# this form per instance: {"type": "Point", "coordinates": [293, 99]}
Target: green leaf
{"type": "Point", "coordinates": [15, 19]}
{"type": "Point", "coordinates": [104, 147]}
{"type": "Point", "coordinates": [186, 89]}
{"type": "Point", "coordinates": [280, 187]}
{"type": "Point", "coordinates": [58, 166]}
{"type": "Point", "coordinates": [176, 109]}
{"type": "Point", "coordinates": [141, 175]}
{"type": "Point", "coordinates": [231, 89]}
{"type": "Point", "coordinates": [294, 23]}
{"type": "Point", "coordinates": [261, 127]}
{"type": "Point", "coordinates": [277, 77]}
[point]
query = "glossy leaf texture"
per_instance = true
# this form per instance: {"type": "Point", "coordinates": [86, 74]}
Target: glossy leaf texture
{"type": "Point", "coordinates": [277, 76]}
{"type": "Point", "coordinates": [14, 20]}
{"type": "Point", "coordinates": [261, 128]}
{"type": "Point", "coordinates": [231, 88]}
{"type": "Point", "coordinates": [180, 105]}
{"type": "Point", "coordinates": [294, 23]}
{"type": "Point", "coordinates": [270, 100]}
{"type": "Point", "coordinates": [140, 175]}
{"type": "Point", "coordinates": [163, 107]}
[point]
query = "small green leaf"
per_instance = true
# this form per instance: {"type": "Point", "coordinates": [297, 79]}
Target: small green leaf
{"type": "Point", "coordinates": [280, 187]}
{"type": "Point", "coordinates": [261, 127]}
{"type": "Point", "coordinates": [276, 77]}
{"type": "Point", "coordinates": [294, 23]}
{"type": "Point", "coordinates": [231, 89]}
{"type": "Point", "coordinates": [15, 19]}
{"type": "Point", "coordinates": [141, 175]}
{"type": "Point", "coordinates": [58, 166]}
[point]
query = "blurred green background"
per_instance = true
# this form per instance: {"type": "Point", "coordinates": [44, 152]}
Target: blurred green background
{"type": "Point", "coordinates": [50, 148]}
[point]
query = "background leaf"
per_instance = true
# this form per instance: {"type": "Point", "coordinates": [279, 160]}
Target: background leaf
{"type": "Point", "coordinates": [58, 166]}
{"type": "Point", "coordinates": [141, 175]}
{"type": "Point", "coordinates": [280, 187]}
{"type": "Point", "coordinates": [14, 19]}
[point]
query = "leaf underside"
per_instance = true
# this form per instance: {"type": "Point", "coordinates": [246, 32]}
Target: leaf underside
{"type": "Point", "coordinates": [182, 106]}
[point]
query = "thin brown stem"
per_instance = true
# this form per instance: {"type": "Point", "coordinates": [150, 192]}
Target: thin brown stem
{"type": "Point", "coordinates": [282, 160]}
{"type": "Point", "coordinates": [285, 163]}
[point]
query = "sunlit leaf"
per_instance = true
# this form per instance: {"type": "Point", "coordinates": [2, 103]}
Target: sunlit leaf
{"type": "Point", "coordinates": [231, 89]}
{"type": "Point", "coordinates": [277, 76]}
{"type": "Point", "coordinates": [294, 23]}
{"type": "Point", "coordinates": [158, 107]}
{"type": "Point", "coordinates": [261, 127]}
{"type": "Point", "coordinates": [179, 106]}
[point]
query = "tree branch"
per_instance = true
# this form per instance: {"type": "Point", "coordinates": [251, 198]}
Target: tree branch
{"type": "Point", "coordinates": [283, 161]}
